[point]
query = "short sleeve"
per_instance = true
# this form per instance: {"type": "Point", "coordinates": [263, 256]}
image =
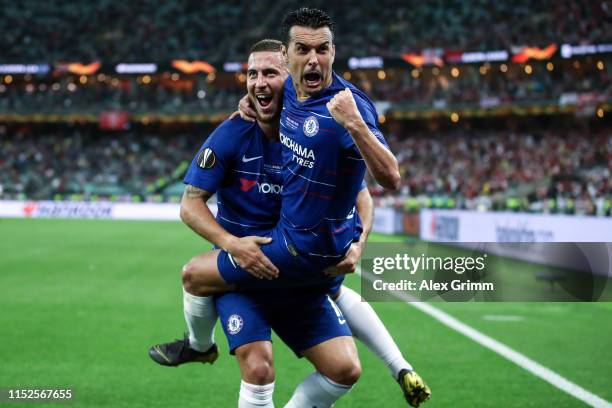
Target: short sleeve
{"type": "Point", "coordinates": [217, 154]}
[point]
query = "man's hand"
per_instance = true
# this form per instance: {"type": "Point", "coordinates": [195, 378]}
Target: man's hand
{"type": "Point", "coordinates": [344, 110]}
{"type": "Point", "coordinates": [247, 253]}
{"type": "Point", "coordinates": [245, 110]}
{"type": "Point", "coordinates": [348, 263]}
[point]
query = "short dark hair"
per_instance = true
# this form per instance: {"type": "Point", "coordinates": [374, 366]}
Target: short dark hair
{"type": "Point", "coordinates": [267, 45]}
{"type": "Point", "coordinates": [305, 17]}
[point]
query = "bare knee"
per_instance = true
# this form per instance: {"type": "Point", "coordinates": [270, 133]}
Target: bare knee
{"type": "Point", "coordinates": [258, 372]}
{"type": "Point", "coordinates": [337, 359]}
{"type": "Point", "coordinates": [201, 278]}
{"type": "Point", "coordinates": [256, 364]}
{"type": "Point", "coordinates": [345, 373]}
{"type": "Point", "coordinates": [189, 276]}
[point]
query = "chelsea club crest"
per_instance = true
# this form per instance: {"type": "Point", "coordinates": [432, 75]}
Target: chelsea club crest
{"type": "Point", "coordinates": [234, 324]}
{"type": "Point", "coordinates": [311, 126]}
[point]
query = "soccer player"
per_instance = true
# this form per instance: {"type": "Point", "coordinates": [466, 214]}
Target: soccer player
{"type": "Point", "coordinates": [329, 133]}
{"type": "Point", "coordinates": [241, 162]}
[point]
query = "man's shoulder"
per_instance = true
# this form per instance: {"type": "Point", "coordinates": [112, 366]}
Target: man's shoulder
{"type": "Point", "coordinates": [233, 132]}
{"type": "Point", "coordinates": [236, 125]}
{"type": "Point", "coordinates": [230, 138]}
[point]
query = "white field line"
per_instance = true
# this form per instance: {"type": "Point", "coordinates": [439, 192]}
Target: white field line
{"type": "Point", "coordinates": [517, 358]}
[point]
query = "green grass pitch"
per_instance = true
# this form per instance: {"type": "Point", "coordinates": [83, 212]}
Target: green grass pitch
{"type": "Point", "coordinates": [81, 302]}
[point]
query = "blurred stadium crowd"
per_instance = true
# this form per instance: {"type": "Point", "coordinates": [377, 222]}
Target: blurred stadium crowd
{"type": "Point", "coordinates": [149, 30]}
{"type": "Point", "coordinates": [455, 149]}
{"type": "Point", "coordinates": [484, 85]}
{"type": "Point", "coordinates": [548, 170]}
{"type": "Point", "coordinates": [59, 162]}
{"type": "Point", "coordinates": [542, 170]}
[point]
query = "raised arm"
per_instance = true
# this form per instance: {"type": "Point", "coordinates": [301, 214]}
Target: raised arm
{"type": "Point", "coordinates": [380, 161]}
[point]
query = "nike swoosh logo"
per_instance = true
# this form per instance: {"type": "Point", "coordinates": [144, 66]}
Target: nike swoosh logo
{"type": "Point", "coordinates": [246, 160]}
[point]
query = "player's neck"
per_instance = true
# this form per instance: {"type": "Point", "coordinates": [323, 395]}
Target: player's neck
{"type": "Point", "coordinates": [269, 129]}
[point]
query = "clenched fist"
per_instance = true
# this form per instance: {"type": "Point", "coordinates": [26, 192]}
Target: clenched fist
{"type": "Point", "coordinates": [344, 110]}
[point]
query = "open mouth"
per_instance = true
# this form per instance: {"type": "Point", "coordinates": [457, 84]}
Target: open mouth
{"type": "Point", "coordinates": [264, 100]}
{"type": "Point", "coordinates": [312, 79]}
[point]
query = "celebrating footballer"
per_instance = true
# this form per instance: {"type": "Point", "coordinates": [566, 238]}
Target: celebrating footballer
{"type": "Point", "coordinates": [293, 217]}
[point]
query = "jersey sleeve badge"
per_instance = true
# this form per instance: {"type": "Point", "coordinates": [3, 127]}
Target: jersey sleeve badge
{"type": "Point", "coordinates": [206, 158]}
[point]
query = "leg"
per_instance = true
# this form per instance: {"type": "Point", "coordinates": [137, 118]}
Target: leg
{"type": "Point", "coordinates": [336, 359]}
{"type": "Point", "coordinates": [257, 371]}
{"type": "Point", "coordinates": [256, 363]}
{"type": "Point", "coordinates": [338, 368]}
{"type": "Point", "coordinates": [201, 279]}
{"type": "Point", "coordinates": [201, 276]}
{"type": "Point", "coordinates": [210, 273]}
{"type": "Point", "coordinates": [248, 335]}
{"type": "Point", "coordinates": [370, 330]}
{"type": "Point", "coordinates": [328, 345]}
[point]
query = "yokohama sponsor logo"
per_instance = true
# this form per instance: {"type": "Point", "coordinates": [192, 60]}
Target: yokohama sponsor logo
{"type": "Point", "coordinates": [51, 209]}
{"type": "Point", "coordinates": [297, 148]}
{"type": "Point", "coordinates": [267, 188]}
{"type": "Point", "coordinates": [263, 188]}
{"type": "Point", "coordinates": [246, 185]}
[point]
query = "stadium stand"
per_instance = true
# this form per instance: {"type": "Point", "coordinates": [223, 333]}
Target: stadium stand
{"type": "Point", "coordinates": [152, 31]}
{"type": "Point", "coordinates": [544, 170]}
{"type": "Point", "coordinates": [531, 134]}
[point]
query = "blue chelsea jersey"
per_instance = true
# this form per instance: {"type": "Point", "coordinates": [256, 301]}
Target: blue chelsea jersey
{"type": "Point", "coordinates": [243, 167]}
{"type": "Point", "coordinates": [323, 171]}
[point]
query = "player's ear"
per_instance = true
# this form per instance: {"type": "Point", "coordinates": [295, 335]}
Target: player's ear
{"type": "Point", "coordinates": [332, 52]}
{"type": "Point", "coordinates": [285, 56]}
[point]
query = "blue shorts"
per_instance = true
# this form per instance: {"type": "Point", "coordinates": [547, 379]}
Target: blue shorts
{"type": "Point", "coordinates": [296, 270]}
{"type": "Point", "coordinates": [301, 318]}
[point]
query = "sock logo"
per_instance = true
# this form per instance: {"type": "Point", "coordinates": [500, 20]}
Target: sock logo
{"type": "Point", "coordinates": [234, 324]}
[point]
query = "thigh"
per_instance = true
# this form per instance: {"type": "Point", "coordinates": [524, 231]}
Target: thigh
{"type": "Point", "coordinates": [291, 265]}
{"type": "Point", "coordinates": [243, 319]}
{"type": "Point", "coordinates": [333, 354]}
{"type": "Point", "coordinates": [295, 269]}
{"type": "Point", "coordinates": [307, 320]}
{"type": "Point", "coordinates": [201, 275]}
